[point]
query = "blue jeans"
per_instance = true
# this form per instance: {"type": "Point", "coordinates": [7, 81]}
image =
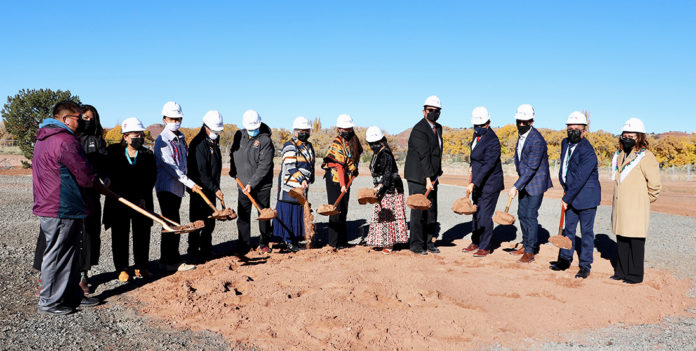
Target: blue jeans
{"type": "Point", "coordinates": [586, 218]}
{"type": "Point", "coordinates": [528, 212]}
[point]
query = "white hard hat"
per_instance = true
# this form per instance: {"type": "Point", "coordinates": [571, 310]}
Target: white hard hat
{"type": "Point", "coordinates": [480, 116]}
{"type": "Point", "coordinates": [525, 112]}
{"type": "Point", "coordinates": [132, 124]}
{"type": "Point", "coordinates": [213, 120]}
{"type": "Point", "coordinates": [344, 121]}
{"type": "Point", "coordinates": [301, 123]}
{"type": "Point", "coordinates": [172, 110]}
{"type": "Point", "coordinates": [633, 125]}
{"type": "Point", "coordinates": [373, 134]}
{"type": "Point", "coordinates": [577, 117]}
{"type": "Point", "coordinates": [433, 101]}
{"type": "Point", "coordinates": [251, 120]}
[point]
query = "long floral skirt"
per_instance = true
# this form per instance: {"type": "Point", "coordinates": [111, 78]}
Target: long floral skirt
{"type": "Point", "coordinates": [388, 223]}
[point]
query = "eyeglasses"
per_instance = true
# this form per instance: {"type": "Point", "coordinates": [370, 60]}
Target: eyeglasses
{"type": "Point", "coordinates": [72, 116]}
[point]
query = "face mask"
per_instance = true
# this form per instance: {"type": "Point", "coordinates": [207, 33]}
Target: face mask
{"type": "Point", "coordinates": [523, 129]}
{"type": "Point", "coordinates": [433, 116]}
{"type": "Point", "coordinates": [173, 126]}
{"type": "Point", "coordinates": [480, 130]}
{"type": "Point", "coordinates": [89, 126]}
{"type": "Point", "coordinates": [347, 135]}
{"type": "Point", "coordinates": [303, 136]}
{"type": "Point", "coordinates": [253, 133]}
{"type": "Point", "coordinates": [574, 135]}
{"type": "Point", "coordinates": [375, 146]}
{"type": "Point", "coordinates": [212, 135]}
{"type": "Point", "coordinates": [80, 126]}
{"type": "Point", "coordinates": [627, 144]}
{"type": "Point", "coordinates": [136, 143]}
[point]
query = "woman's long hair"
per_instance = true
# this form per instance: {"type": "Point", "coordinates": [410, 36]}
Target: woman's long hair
{"type": "Point", "coordinates": [641, 142]}
{"type": "Point", "coordinates": [98, 130]}
{"type": "Point", "coordinates": [356, 148]}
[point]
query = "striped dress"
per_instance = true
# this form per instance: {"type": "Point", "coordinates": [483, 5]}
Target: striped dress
{"type": "Point", "coordinates": [297, 166]}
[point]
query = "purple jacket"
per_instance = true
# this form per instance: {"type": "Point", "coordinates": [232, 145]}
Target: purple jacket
{"type": "Point", "coordinates": [60, 168]}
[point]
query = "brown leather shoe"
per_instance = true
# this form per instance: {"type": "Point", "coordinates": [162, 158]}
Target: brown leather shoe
{"type": "Point", "coordinates": [526, 258]}
{"type": "Point", "coordinates": [470, 248]}
{"type": "Point", "coordinates": [518, 252]}
{"type": "Point", "coordinates": [482, 253]}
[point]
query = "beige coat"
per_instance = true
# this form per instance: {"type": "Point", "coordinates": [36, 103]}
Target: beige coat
{"type": "Point", "coordinates": [630, 215]}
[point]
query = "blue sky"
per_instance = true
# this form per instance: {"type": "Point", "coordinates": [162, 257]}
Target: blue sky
{"type": "Point", "coordinates": [376, 61]}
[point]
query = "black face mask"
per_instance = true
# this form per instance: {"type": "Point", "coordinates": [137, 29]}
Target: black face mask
{"type": "Point", "coordinates": [80, 126]}
{"type": "Point", "coordinates": [433, 116]}
{"type": "Point", "coordinates": [627, 144]}
{"type": "Point", "coordinates": [574, 135]}
{"type": "Point", "coordinates": [347, 135]}
{"type": "Point", "coordinates": [480, 131]}
{"type": "Point", "coordinates": [375, 146]}
{"type": "Point", "coordinates": [523, 129]}
{"type": "Point", "coordinates": [303, 136]}
{"type": "Point", "coordinates": [136, 143]}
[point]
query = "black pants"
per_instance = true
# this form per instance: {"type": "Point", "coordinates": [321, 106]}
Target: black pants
{"type": "Point", "coordinates": [630, 258]}
{"type": "Point", "coordinates": [482, 231]}
{"type": "Point", "coordinates": [423, 223]}
{"type": "Point", "coordinates": [169, 248]}
{"type": "Point", "coordinates": [120, 239]}
{"type": "Point", "coordinates": [338, 229]}
{"type": "Point", "coordinates": [90, 244]}
{"type": "Point", "coordinates": [244, 206]}
{"type": "Point", "coordinates": [201, 241]}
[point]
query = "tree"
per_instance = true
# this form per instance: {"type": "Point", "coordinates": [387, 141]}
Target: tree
{"type": "Point", "coordinates": [23, 113]}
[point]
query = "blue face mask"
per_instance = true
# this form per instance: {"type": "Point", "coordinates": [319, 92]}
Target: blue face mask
{"type": "Point", "coordinates": [253, 133]}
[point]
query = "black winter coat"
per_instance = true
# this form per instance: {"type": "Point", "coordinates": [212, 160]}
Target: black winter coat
{"type": "Point", "coordinates": [251, 159]}
{"type": "Point", "coordinates": [385, 172]}
{"type": "Point", "coordinates": [204, 167]}
{"type": "Point", "coordinates": [424, 156]}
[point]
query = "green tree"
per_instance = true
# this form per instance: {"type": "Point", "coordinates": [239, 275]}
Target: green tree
{"type": "Point", "coordinates": [24, 111]}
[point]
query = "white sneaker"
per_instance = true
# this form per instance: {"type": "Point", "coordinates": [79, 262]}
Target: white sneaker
{"type": "Point", "coordinates": [185, 267]}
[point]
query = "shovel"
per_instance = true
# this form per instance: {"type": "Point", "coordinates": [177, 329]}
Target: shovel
{"type": "Point", "coordinates": [176, 229]}
{"type": "Point", "coordinates": [561, 241]}
{"type": "Point", "coordinates": [225, 214]}
{"type": "Point", "coordinates": [504, 218]}
{"type": "Point", "coordinates": [464, 205]}
{"type": "Point", "coordinates": [265, 214]}
{"type": "Point", "coordinates": [367, 196]}
{"type": "Point", "coordinates": [420, 201]}
{"type": "Point", "coordinates": [309, 227]}
{"type": "Point", "coordinates": [230, 212]}
{"type": "Point", "coordinates": [330, 210]}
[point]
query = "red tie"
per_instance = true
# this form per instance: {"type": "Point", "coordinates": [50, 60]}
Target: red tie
{"type": "Point", "coordinates": [478, 138]}
{"type": "Point", "coordinates": [435, 130]}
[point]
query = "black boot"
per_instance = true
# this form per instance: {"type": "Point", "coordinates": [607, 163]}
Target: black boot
{"type": "Point", "coordinates": [560, 265]}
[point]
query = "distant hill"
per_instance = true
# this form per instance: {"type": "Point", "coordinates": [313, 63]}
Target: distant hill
{"type": "Point", "coordinates": [155, 129]}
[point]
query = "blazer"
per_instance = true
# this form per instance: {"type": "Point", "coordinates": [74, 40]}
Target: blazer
{"type": "Point", "coordinates": [581, 187]}
{"type": "Point", "coordinates": [533, 169]}
{"type": "Point", "coordinates": [424, 155]}
{"type": "Point", "coordinates": [486, 167]}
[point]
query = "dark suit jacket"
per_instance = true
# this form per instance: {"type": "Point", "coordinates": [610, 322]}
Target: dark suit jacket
{"type": "Point", "coordinates": [424, 156]}
{"type": "Point", "coordinates": [485, 163]}
{"type": "Point", "coordinates": [582, 188]}
{"type": "Point", "coordinates": [533, 170]}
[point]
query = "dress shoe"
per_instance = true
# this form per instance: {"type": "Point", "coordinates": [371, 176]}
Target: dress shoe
{"type": "Point", "coordinates": [433, 249]}
{"type": "Point", "coordinates": [518, 252]}
{"type": "Point", "coordinates": [89, 301]}
{"type": "Point", "coordinates": [57, 310]}
{"type": "Point", "coordinates": [482, 253]}
{"type": "Point", "coordinates": [471, 248]}
{"type": "Point", "coordinates": [420, 252]}
{"type": "Point", "coordinates": [616, 277]}
{"type": "Point", "coordinates": [560, 265]}
{"type": "Point", "coordinates": [583, 273]}
{"type": "Point", "coordinates": [292, 247]}
{"type": "Point", "coordinates": [626, 281]}
{"type": "Point", "coordinates": [526, 258]}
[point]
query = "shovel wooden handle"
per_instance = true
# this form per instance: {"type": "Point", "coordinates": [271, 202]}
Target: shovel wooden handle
{"type": "Point", "coordinates": [507, 207]}
{"type": "Point", "coordinates": [222, 201]}
{"type": "Point", "coordinates": [427, 192]}
{"type": "Point", "coordinates": [248, 195]}
{"type": "Point", "coordinates": [140, 210]}
{"type": "Point", "coordinates": [344, 192]}
{"type": "Point", "coordinates": [560, 226]}
{"type": "Point", "coordinates": [200, 192]}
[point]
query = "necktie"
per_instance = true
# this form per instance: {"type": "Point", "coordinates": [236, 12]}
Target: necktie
{"type": "Point", "coordinates": [435, 130]}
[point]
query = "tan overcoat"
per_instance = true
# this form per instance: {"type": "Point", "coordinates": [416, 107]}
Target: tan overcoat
{"type": "Point", "coordinates": [630, 215]}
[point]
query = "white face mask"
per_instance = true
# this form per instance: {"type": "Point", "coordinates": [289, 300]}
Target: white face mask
{"type": "Point", "coordinates": [173, 126]}
{"type": "Point", "coordinates": [212, 135]}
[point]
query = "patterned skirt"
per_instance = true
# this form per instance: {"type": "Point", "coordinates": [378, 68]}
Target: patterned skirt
{"type": "Point", "coordinates": [388, 223]}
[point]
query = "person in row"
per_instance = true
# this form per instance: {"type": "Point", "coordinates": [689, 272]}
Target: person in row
{"type": "Point", "coordinates": [423, 166]}
{"type": "Point", "coordinates": [297, 172]}
{"type": "Point", "coordinates": [388, 222]}
{"type": "Point", "coordinates": [532, 166]}
{"type": "Point", "coordinates": [582, 193]}
{"type": "Point", "coordinates": [251, 162]}
{"type": "Point", "coordinates": [636, 177]}
{"type": "Point", "coordinates": [486, 181]}
{"type": "Point", "coordinates": [60, 169]}
{"type": "Point", "coordinates": [204, 167]}
{"type": "Point", "coordinates": [133, 172]}
{"type": "Point", "coordinates": [341, 165]}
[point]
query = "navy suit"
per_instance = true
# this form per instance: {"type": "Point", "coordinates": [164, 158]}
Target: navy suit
{"type": "Point", "coordinates": [583, 194]}
{"type": "Point", "coordinates": [487, 177]}
{"type": "Point", "coordinates": [534, 179]}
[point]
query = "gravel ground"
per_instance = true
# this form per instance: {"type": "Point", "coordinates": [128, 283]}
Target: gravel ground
{"type": "Point", "coordinates": [117, 325]}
